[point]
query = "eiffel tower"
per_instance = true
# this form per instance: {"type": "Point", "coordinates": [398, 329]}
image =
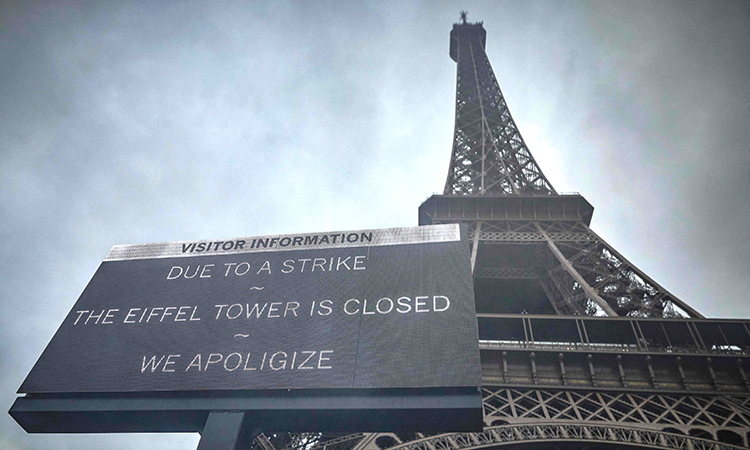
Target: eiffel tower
{"type": "Point", "coordinates": [580, 348]}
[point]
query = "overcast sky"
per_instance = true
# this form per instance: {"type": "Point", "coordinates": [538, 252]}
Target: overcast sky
{"type": "Point", "coordinates": [141, 122]}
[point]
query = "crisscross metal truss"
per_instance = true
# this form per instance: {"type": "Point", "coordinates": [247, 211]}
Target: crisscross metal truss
{"type": "Point", "coordinates": [514, 416]}
{"type": "Point", "coordinates": [549, 435]}
{"type": "Point", "coordinates": [581, 273]}
{"type": "Point", "coordinates": [657, 411]}
{"type": "Point", "coordinates": [309, 441]}
{"type": "Point", "coordinates": [489, 155]}
{"type": "Point", "coordinates": [616, 284]}
{"type": "Point", "coordinates": [525, 231]}
{"type": "Point", "coordinates": [546, 435]}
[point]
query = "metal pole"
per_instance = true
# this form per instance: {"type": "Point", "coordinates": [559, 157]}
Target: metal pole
{"type": "Point", "coordinates": [590, 292]}
{"type": "Point", "coordinates": [475, 247]}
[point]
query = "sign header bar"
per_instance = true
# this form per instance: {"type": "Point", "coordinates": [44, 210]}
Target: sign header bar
{"type": "Point", "coordinates": [286, 242]}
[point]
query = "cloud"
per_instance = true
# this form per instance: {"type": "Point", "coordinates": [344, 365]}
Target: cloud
{"type": "Point", "coordinates": [141, 122]}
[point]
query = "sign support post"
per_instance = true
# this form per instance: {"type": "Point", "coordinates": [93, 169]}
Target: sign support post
{"type": "Point", "coordinates": [226, 430]}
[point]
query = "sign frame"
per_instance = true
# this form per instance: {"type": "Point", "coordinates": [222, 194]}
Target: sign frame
{"type": "Point", "coordinates": [347, 409]}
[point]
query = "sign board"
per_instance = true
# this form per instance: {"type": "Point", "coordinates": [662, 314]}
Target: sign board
{"type": "Point", "coordinates": [387, 308]}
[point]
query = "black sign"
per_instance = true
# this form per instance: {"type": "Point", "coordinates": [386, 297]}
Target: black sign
{"type": "Point", "coordinates": [389, 308]}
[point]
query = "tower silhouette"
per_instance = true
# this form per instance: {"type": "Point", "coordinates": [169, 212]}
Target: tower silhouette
{"type": "Point", "coordinates": [580, 348]}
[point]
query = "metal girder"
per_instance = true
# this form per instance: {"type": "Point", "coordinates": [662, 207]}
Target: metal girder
{"type": "Point", "coordinates": [624, 288]}
{"type": "Point", "coordinates": [549, 417]}
{"type": "Point", "coordinates": [590, 293]}
{"type": "Point", "coordinates": [582, 273]}
{"type": "Point", "coordinates": [550, 435]}
{"type": "Point", "coordinates": [335, 410]}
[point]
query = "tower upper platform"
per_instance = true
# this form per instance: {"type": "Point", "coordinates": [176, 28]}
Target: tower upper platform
{"type": "Point", "coordinates": [467, 31]}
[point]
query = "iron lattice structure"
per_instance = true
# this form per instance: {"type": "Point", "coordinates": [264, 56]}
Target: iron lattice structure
{"type": "Point", "coordinates": [580, 348]}
{"type": "Point", "coordinates": [489, 155]}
